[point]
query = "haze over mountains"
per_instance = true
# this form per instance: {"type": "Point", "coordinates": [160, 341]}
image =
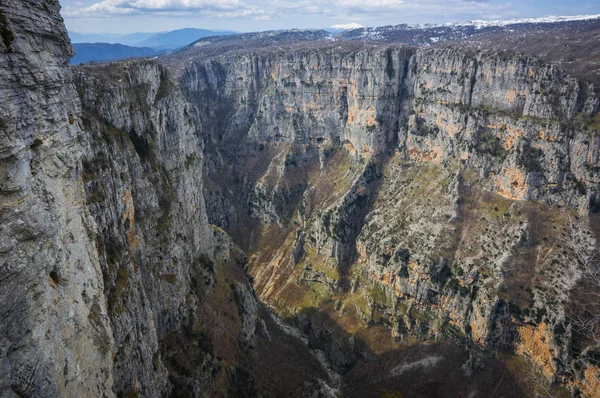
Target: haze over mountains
{"type": "Point", "coordinates": [101, 52]}
{"type": "Point", "coordinates": [102, 47]}
{"type": "Point", "coordinates": [157, 40]}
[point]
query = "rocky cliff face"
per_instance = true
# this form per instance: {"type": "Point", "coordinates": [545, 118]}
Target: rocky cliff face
{"type": "Point", "coordinates": [430, 191]}
{"type": "Point", "coordinates": [51, 271]}
{"type": "Point", "coordinates": [114, 282]}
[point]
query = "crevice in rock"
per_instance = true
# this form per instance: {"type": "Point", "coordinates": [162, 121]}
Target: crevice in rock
{"type": "Point", "coordinates": [473, 80]}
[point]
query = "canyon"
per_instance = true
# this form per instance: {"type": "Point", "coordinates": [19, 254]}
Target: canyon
{"type": "Point", "coordinates": [311, 219]}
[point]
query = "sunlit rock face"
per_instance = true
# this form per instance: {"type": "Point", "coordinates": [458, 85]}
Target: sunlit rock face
{"type": "Point", "coordinates": [410, 188]}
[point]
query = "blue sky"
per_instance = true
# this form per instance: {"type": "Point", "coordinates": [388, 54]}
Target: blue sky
{"type": "Point", "coordinates": [128, 16]}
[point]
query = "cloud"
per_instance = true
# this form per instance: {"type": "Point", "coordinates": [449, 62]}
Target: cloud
{"type": "Point", "coordinates": [127, 7]}
{"type": "Point", "coordinates": [274, 9]}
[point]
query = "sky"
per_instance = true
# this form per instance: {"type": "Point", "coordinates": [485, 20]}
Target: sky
{"type": "Point", "coordinates": [129, 16]}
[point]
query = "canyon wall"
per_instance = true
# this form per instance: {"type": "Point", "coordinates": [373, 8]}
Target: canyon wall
{"type": "Point", "coordinates": [433, 192]}
{"type": "Point", "coordinates": [51, 271]}
{"type": "Point", "coordinates": [113, 282]}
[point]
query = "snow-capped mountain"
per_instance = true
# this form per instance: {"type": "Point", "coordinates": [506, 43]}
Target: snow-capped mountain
{"type": "Point", "coordinates": [429, 34]}
{"type": "Point", "coordinates": [551, 19]}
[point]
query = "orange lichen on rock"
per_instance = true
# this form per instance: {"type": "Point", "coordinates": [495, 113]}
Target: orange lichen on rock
{"type": "Point", "coordinates": [445, 123]}
{"type": "Point", "coordinates": [312, 105]}
{"type": "Point", "coordinates": [350, 148]}
{"type": "Point", "coordinates": [479, 329]}
{"type": "Point", "coordinates": [546, 136]}
{"type": "Point", "coordinates": [276, 73]}
{"type": "Point", "coordinates": [534, 341]}
{"type": "Point", "coordinates": [417, 272]}
{"type": "Point", "coordinates": [511, 95]}
{"type": "Point", "coordinates": [511, 184]}
{"type": "Point", "coordinates": [432, 154]}
{"type": "Point", "coordinates": [489, 77]}
{"type": "Point", "coordinates": [362, 116]}
{"type": "Point", "coordinates": [371, 117]}
{"type": "Point", "coordinates": [351, 117]}
{"type": "Point", "coordinates": [590, 385]}
{"type": "Point", "coordinates": [508, 136]}
{"type": "Point", "coordinates": [129, 215]}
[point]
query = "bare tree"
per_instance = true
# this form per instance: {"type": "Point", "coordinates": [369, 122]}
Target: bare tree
{"type": "Point", "coordinates": [539, 382]}
{"type": "Point", "coordinates": [585, 315]}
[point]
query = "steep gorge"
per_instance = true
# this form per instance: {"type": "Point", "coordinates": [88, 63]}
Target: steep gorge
{"type": "Point", "coordinates": [426, 191]}
{"type": "Point", "coordinates": [395, 205]}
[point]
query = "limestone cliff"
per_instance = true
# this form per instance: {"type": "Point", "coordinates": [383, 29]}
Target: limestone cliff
{"type": "Point", "coordinates": [113, 282]}
{"type": "Point", "coordinates": [51, 275]}
{"type": "Point", "coordinates": [429, 191]}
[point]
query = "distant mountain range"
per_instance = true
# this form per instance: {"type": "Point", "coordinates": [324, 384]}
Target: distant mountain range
{"type": "Point", "coordinates": [103, 47]}
{"type": "Point", "coordinates": [203, 43]}
{"type": "Point", "coordinates": [102, 52]}
{"type": "Point", "coordinates": [161, 40]}
{"type": "Point", "coordinates": [128, 40]}
{"type": "Point", "coordinates": [179, 38]}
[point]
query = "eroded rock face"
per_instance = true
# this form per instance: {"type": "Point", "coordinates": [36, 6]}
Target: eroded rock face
{"type": "Point", "coordinates": [114, 282]}
{"type": "Point", "coordinates": [140, 176]}
{"type": "Point", "coordinates": [411, 188]}
{"type": "Point", "coordinates": [51, 289]}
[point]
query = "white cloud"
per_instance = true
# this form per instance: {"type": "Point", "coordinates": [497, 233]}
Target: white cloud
{"type": "Point", "coordinates": [108, 7]}
{"type": "Point", "coordinates": [274, 9]}
{"type": "Point", "coordinates": [347, 26]}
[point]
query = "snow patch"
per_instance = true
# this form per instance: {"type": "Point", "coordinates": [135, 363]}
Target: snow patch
{"type": "Point", "coordinates": [347, 26]}
{"type": "Point", "coordinates": [553, 19]}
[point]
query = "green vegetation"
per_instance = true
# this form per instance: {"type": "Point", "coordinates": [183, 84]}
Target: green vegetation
{"type": "Point", "coordinates": [316, 295]}
{"type": "Point", "coordinates": [360, 302]}
{"type": "Point", "coordinates": [387, 394]}
{"type": "Point", "coordinates": [131, 393]}
{"type": "Point", "coordinates": [580, 187]}
{"type": "Point", "coordinates": [322, 263]}
{"type": "Point", "coordinates": [377, 293]}
{"type": "Point", "coordinates": [403, 273]}
{"type": "Point", "coordinates": [115, 301]}
{"type": "Point", "coordinates": [491, 145]}
{"type": "Point", "coordinates": [529, 158]}
{"type": "Point", "coordinates": [36, 144]}
{"type": "Point", "coordinates": [171, 278]}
